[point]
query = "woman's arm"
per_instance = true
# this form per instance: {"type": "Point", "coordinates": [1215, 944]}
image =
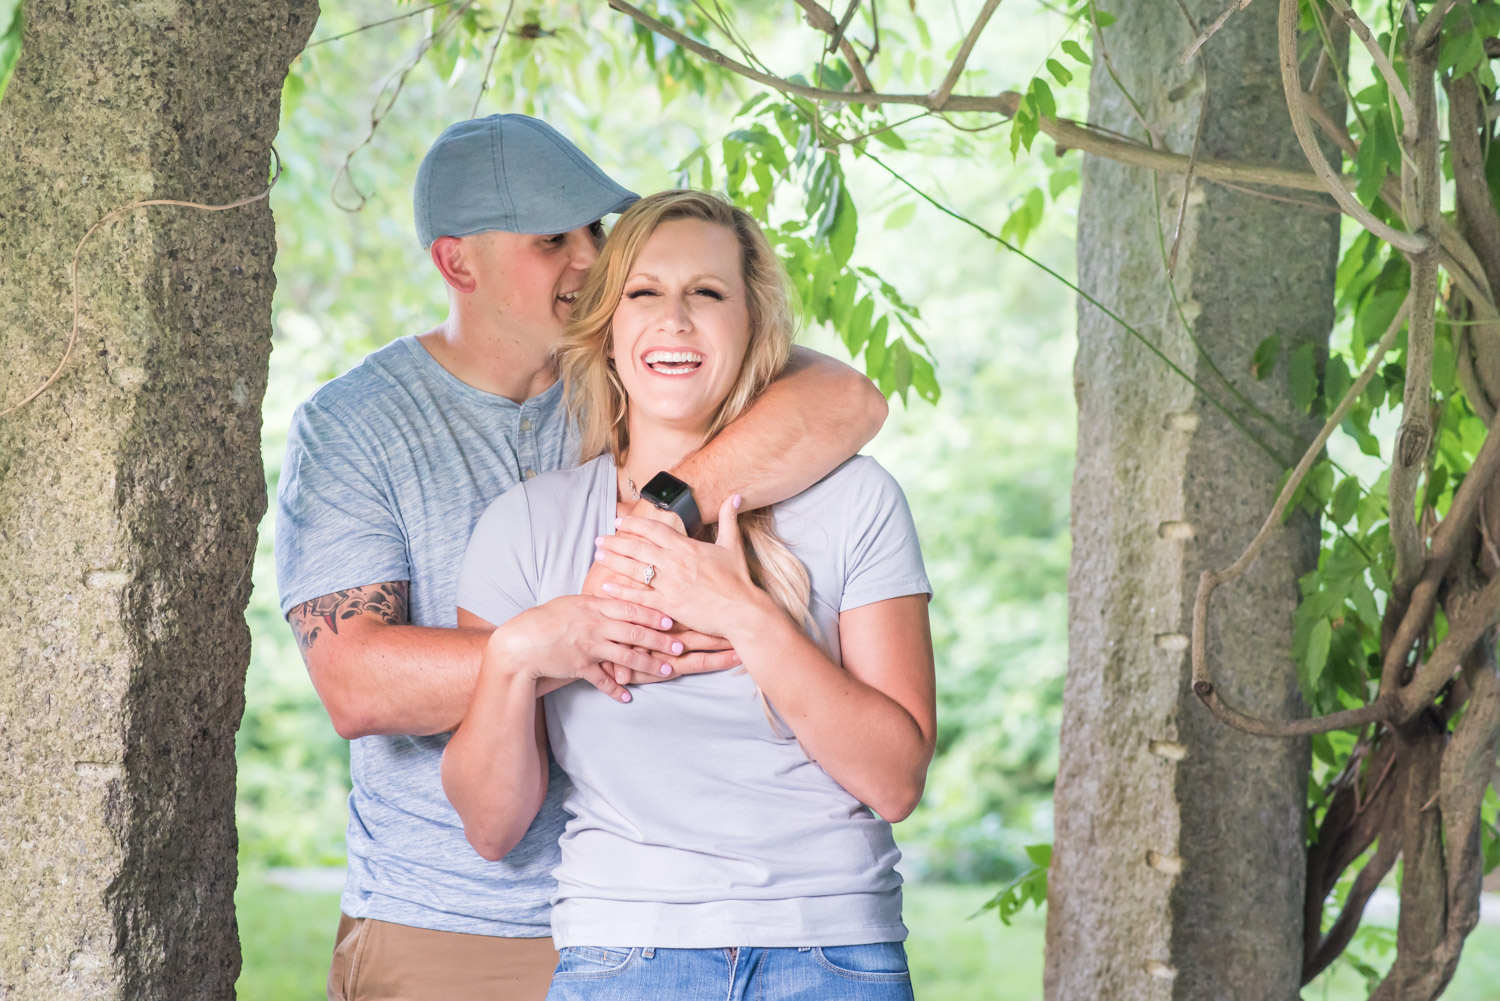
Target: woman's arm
{"type": "Point", "coordinates": [494, 768]}
{"type": "Point", "coordinates": [871, 724]}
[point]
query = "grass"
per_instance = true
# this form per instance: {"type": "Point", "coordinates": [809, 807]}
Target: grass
{"type": "Point", "coordinates": [287, 937]}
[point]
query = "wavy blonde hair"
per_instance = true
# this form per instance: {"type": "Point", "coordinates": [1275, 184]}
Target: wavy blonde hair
{"type": "Point", "coordinates": [596, 397]}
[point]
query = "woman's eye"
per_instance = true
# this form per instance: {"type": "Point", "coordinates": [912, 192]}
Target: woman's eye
{"type": "Point", "coordinates": [638, 293]}
{"type": "Point", "coordinates": [711, 293]}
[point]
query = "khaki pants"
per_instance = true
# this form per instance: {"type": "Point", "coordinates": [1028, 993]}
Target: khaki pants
{"type": "Point", "coordinates": [380, 961]}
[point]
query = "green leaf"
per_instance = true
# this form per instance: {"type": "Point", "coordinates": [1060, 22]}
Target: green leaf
{"type": "Point", "coordinates": [1024, 220]}
{"type": "Point", "coordinates": [1040, 855]}
{"type": "Point", "coordinates": [1059, 72]}
{"type": "Point", "coordinates": [1376, 314]}
{"type": "Point", "coordinates": [822, 284]}
{"type": "Point", "coordinates": [1103, 18]}
{"type": "Point", "coordinates": [1444, 365]}
{"type": "Point", "coordinates": [1372, 163]}
{"type": "Point", "coordinates": [1075, 50]}
{"type": "Point", "coordinates": [924, 379]}
{"type": "Point", "coordinates": [1042, 100]}
{"type": "Point", "coordinates": [901, 215]}
{"type": "Point", "coordinates": [1463, 48]}
{"type": "Point", "coordinates": [1061, 180]}
{"type": "Point", "coordinates": [844, 291]}
{"type": "Point", "coordinates": [876, 351]}
{"type": "Point", "coordinates": [13, 16]}
{"type": "Point", "coordinates": [845, 227]}
{"type": "Point", "coordinates": [1345, 501]}
{"type": "Point", "coordinates": [889, 138]}
{"type": "Point", "coordinates": [1302, 376]}
{"type": "Point", "coordinates": [1266, 353]}
{"type": "Point", "coordinates": [901, 368]}
{"type": "Point", "coordinates": [1316, 657]}
{"type": "Point", "coordinates": [752, 103]}
{"type": "Point", "coordinates": [1336, 382]}
{"type": "Point", "coordinates": [858, 329]}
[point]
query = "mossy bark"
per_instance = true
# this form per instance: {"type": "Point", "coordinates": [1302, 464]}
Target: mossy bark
{"type": "Point", "coordinates": [1178, 866]}
{"type": "Point", "coordinates": [131, 489]}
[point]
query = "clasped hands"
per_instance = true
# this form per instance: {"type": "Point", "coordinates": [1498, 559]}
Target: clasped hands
{"type": "Point", "coordinates": [702, 587]}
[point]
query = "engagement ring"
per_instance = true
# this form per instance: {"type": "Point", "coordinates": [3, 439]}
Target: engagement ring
{"type": "Point", "coordinates": [650, 573]}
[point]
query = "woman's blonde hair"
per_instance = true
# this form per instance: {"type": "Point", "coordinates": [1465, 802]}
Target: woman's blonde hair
{"type": "Point", "coordinates": [596, 397]}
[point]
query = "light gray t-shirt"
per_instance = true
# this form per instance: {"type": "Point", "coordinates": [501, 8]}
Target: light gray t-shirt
{"type": "Point", "coordinates": [387, 468]}
{"type": "Point", "coordinates": [693, 823]}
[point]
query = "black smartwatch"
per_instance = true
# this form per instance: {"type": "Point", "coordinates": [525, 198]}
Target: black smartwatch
{"type": "Point", "coordinates": [671, 494]}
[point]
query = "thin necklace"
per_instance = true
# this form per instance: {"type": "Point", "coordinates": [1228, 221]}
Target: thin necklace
{"type": "Point", "coordinates": [634, 493]}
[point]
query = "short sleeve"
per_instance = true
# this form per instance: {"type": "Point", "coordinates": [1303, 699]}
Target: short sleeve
{"type": "Point", "coordinates": [336, 523]}
{"type": "Point", "coordinates": [498, 578]}
{"type": "Point", "coordinates": [882, 557]}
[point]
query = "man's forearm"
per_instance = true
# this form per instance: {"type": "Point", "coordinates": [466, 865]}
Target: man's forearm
{"type": "Point", "coordinates": [817, 414]}
{"type": "Point", "coordinates": [398, 679]}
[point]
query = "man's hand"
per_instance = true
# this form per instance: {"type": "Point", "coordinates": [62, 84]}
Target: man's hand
{"type": "Point", "coordinates": [570, 636]}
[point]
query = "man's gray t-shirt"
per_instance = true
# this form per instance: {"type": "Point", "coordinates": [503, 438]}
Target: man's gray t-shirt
{"type": "Point", "coordinates": [387, 468]}
{"type": "Point", "coordinates": [693, 823]}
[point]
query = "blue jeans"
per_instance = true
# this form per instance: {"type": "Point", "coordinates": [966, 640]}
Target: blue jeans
{"type": "Point", "coordinates": [845, 972]}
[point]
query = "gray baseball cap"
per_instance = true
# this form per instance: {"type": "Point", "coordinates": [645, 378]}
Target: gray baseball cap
{"type": "Point", "coordinates": [511, 173]}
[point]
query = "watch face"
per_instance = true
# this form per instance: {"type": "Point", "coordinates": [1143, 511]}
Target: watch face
{"type": "Point", "coordinates": [663, 490]}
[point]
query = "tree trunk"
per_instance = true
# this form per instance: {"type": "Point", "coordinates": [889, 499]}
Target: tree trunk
{"type": "Point", "coordinates": [1178, 867]}
{"type": "Point", "coordinates": [131, 489]}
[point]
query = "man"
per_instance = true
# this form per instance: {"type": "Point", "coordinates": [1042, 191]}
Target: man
{"type": "Point", "coordinates": [387, 469]}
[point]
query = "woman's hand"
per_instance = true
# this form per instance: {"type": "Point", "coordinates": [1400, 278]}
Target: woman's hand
{"type": "Point", "coordinates": [705, 585]}
{"type": "Point", "coordinates": [569, 636]}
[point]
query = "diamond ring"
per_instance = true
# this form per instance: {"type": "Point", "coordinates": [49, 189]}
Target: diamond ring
{"type": "Point", "coordinates": [650, 574]}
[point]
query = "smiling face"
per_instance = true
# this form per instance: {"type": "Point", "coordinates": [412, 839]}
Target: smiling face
{"type": "Point", "coordinates": [682, 326]}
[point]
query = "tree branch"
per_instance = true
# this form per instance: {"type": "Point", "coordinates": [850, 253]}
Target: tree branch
{"type": "Point", "coordinates": [960, 103]}
{"type": "Point", "coordinates": [1382, 61]}
{"type": "Point", "coordinates": [945, 89]}
{"type": "Point", "coordinates": [1464, 630]}
{"type": "Point", "coordinates": [1445, 545]}
{"type": "Point", "coordinates": [1334, 182]}
{"type": "Point", "coordinates": [1207, 33]}
{"type": "Point", "coordinates": [1468, 762]}
{"type": "Point", "coordinates": [1427, 32]}
{"type": "Point", "coordinates": [1331, 945]}
{"type": "Point", "coordinates": [1421, 191]}
{"type": "Point", "coordinates": [1477, 218]}
{"type": "Point", "coordinates": [822, 19]}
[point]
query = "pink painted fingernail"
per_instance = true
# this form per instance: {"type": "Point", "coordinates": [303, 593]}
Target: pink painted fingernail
{"type": "Point", "coordinates": [617, 522]}
{"type": "Point", "coordinates": [624, 696]}
{"type": "Point", "coordinates": [598, 540]}
{"type": "Point", "coordinates": [612, 588]}
{"type": "Point", "coordinates": [666, 669]}
{"type": "Point", "coordinates": [738, 500]}
{"type": "Point", "coordinates": [677, 648]}
{"type": "Point", "coordinates": [666, 623]}
{"type": "Point", "coordinates": [598, 555]}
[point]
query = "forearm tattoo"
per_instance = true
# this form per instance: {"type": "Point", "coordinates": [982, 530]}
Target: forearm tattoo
{"type": "Point", "coordinates": [387, 601]}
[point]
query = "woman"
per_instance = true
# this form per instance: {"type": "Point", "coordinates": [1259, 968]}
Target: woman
{"type": "Point", "coordinates": [720, 844]}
